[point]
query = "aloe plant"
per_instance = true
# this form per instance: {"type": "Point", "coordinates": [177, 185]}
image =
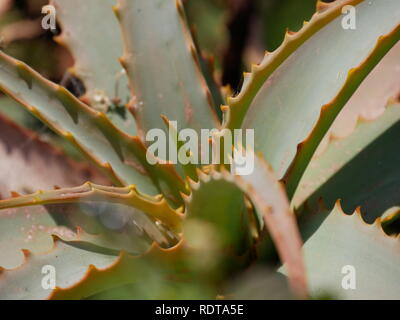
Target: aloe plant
{"type": "Point", "coordinates": [318, 198]}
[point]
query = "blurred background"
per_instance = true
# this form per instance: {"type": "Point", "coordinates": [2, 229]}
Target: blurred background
{"type": "Point", "coordinates": [237, 32]}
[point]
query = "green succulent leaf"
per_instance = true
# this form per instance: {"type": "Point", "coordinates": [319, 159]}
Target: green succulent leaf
{"type": "Point", "coordinates": [26, 229]}
{"type": "Point", "coordinates": [127, 269]}
{"type": "Point", "coordinates": [120, 156]}
{"type": "Point", "coordinates": [287, 113]}
{"type": "Point", "coordinates": [340, 246]}
{"type": "Point", "coordinates": [82, 274]}
{"type": "Point", "coordinates": [370, 157]}
{"type": "Point", "coordinates": [95, 218]}
{"type": "Point", "coordinates": [221, 203]}
{"type": "Point", "coordinates": [98, 227]}
{"type": "Point", "coordinates": [269, 199]}
{"type": "Point", "coordinates": [175, 88]}
{"type": "Point", "coordinates": [70, 264]}
{"type": "Point", "coordinates": [104, 79]}
{"type": "Point", "coordinates": [11, 109]}
{"type": "Point", "coordinates": [157, 208]}
{"type": "Point", "coordinates": [255, 80]}
{"type": "Point", "coordinates": [27, 163]}
{"type": "Point", "coordinates": [189, 169]}
{"type": "Point", "coordinates": [371, 98]}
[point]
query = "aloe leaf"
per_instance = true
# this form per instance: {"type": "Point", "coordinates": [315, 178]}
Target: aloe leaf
{"type": "Point", "coordinates": [207, 65]}
{"type": "Point", "coordinates": [157, 208]}
{"type": "Point", "coordinates": [355, 76]}
{"type": "Point", "coordinates": [370, 157]}
{"type": "Point", "coordinates": [100, 227]}
{"type": "Point", "coordinates": [254, 80]}
{"type": "Point", "coordinates": [175, 88]}
{"type": "Point", "coordinates": [270, 200]}
{"type": "Point", "coordinates": [96, 218]}
{"type": "Point", "coordinates": [28, 163]}
{"type": "Point", "coordinates": [104, 79]}
{"type": "Point", "coordinates": [26, 229]}
{"type": "Point", "coordinates": [156, 264]}
{"type": "Point", "coordinates": [283, 121]}
{"type": "Point", "coordinates": [11, 109]}
{"type": "Point", "coordinates": [120, 156]}
{"type": "Point", "coordinates": [371, 98]}
{"type": "Point", "coordinates": [221, 203]}
{"type": "Point", "coordinates": [189, 169]}
{"type": "Point", "coordinates": [268, 197]}
{"type": "Point", "coordinates": [71, 265]}
{"type": "Point", "coordinates": [338, 244]}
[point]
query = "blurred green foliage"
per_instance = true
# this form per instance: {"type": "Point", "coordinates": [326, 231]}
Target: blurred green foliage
{"type": "Point", "coordinates": [271, 18]}
{"type": "Point", "coordinates": [208, 17]}
{"type": "Point", "coordinates": [279, 15]}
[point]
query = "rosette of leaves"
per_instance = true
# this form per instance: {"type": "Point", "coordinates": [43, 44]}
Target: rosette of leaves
{"type": "Point", "coordinates": [123, 228]}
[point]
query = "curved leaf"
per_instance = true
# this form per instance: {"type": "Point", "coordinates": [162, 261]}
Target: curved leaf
{"type": "Point", "coordinates": [71, 265]}
{"type": "Point", "coordinates": [157, 263]}
{"type": "Point", "coordinates": [105, 80]}
{"type": "Point", "coordinates": [94, 226]}
{"type": "Point", "coordinates": [221, 203]}
{"type": "Point", "coordinates": [95, 218]}
{"type": "Point", "coordinates": [282, 120]}
{"type": "Point", "coordinates": [163, 67]}
{"type": "Point", "coordinates": [120, 156]}
{"type": "Point", "coordinates": [254, 81]}
{"type": "Point", "coordinates": [157, 208]}
{"type": "Point", "coordinates": [369, 157]}
{"type": "Point", "coordinates": [344, 246]}
{"type": "Point", "coordinates": [371, 98]}
{"type": "Point", "coordinates": [26, 229]}
{"type": "Point", "coordinates": [27, 163]}
{"type": "Point", "coordinates": [329, 111]}
{"type": "Point", "coordinates": [271, 203]}
{"type": "Point", "coordinates": [270, 200]}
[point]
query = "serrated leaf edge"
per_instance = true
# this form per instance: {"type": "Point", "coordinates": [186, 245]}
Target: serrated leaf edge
{"type": "Point", "coordinates": [124, 276]}
{"type": "Point", "coordinates": [329, 111]}
{"type": "Point", "coordinates": [237, 106]}
{"type": "Point", "coordinates": [190, 47]}
{"type": "Point", "coordinates": [292, 256]}
{"type": "Point", "coordinates": [159, 172]}
{"type": "Point", "coordinates": [157, 208]}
